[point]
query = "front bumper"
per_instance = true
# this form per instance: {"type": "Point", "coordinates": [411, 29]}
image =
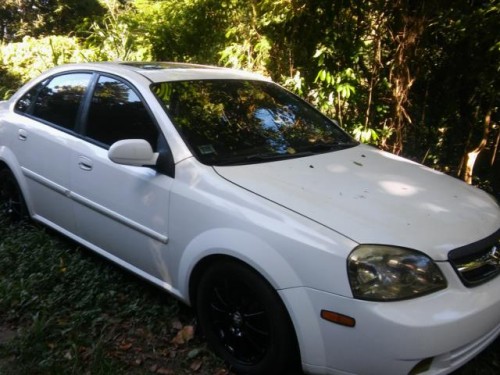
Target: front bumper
{"type": "Point", "coordinates": [450, 326]}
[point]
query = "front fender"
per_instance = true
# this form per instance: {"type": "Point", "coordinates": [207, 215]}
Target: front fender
{"type": "Point", "coordinates": [241, 245]}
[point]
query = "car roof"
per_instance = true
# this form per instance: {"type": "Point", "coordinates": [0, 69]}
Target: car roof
{"type": "Point", "coordinates": [170, 71]}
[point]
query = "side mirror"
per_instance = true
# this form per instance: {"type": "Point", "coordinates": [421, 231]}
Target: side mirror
{"type": "Point", "coordinates": [135, 152]}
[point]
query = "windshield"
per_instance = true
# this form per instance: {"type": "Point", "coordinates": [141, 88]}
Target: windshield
{"type": "Point", "coordinates": [228, 122]}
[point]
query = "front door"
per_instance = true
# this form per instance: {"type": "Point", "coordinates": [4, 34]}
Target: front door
{"type": "Point", "coordinates": [121, 211]}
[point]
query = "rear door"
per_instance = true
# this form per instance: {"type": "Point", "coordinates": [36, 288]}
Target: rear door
{"type": "Point", "coordinates": [44, 141]}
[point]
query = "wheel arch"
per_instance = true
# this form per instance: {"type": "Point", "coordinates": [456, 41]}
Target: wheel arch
{"type": "Point", "coordinates": [8, 161]}
{"type": "Point", "coordinates": [237, 245]}
{"type": "Point", "coordinates": [203, 265]}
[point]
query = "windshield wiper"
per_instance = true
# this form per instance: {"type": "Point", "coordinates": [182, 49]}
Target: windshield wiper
{"type": "Point", "coordinates": [262, 157]}
{"type": "Point", "coordinates": [331, 146]}
{"type": "Point", "coordinates": [312, 149]}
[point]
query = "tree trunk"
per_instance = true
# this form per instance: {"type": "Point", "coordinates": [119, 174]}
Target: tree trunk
{"type": "Point", "coordinates": [471, 156]}
{"type": "Point", "coordinates": [405, 37]}
{"type": "Point", "coordinates": [495, 150]}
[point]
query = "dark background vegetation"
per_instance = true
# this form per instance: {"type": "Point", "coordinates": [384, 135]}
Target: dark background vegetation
{"type": "Point", "coordinates": [417, 78]}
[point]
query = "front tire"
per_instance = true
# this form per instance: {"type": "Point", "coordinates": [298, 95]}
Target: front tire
{"type": "Point", "coordinates": [12, 203]}
{"type": "Point", "coordinates": [245, 321]}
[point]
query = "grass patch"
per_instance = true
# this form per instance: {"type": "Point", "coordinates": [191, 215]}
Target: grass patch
{"type": "Point", "coordinates": [67, 311]}
{"type": "Point", "coordinates": [64, 310]}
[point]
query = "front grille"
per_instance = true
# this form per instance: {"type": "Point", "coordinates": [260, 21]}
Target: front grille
{"type": "Point", "coordinates": [478, 262]}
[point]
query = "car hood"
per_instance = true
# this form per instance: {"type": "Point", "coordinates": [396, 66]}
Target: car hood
{"type": "Point", "coordinates": [372, 197]}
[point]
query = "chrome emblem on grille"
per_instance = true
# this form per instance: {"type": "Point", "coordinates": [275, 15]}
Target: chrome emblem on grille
{"type": "Point", "coordinates": [491, 258]}
{"type": "Point", "coordinates": [475, 268]}
{"type": "Point", "coordinates": [494, 255]}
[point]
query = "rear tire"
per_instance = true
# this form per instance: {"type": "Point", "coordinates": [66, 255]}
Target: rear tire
{"type": "Point", "coordinates": [12, 203]}
{"type": "Point", "coordinates": [245, 321]}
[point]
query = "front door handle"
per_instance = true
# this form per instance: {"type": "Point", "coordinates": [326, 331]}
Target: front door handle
{"type": "Point", "coordinates": [85, 163]}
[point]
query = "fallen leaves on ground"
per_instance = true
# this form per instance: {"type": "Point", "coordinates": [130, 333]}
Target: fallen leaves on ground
{"type": "Point", "coordinates": [184, 335]}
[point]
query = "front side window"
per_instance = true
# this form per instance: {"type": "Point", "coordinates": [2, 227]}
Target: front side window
{"type": "Point", "coordinates": [116, 112]}
{"type": "Point", "coordinates": [237, 121]}
{"type": "Point", "coordinates": [59, 101]}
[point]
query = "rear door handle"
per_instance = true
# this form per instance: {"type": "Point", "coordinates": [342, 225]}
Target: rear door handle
{"type": "Point", "coordinates": [85, 163]}
{"type": "Point", "coordinates": [22, 135]}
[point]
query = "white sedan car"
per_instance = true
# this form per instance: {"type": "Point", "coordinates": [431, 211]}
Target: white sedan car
{"type": "Point", "coordinates": [296, 245]}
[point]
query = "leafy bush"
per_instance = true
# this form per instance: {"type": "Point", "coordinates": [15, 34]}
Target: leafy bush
{"type": "Point", "coordinates": [27, 59]}
{"type": "Point", "coordinates": [8, 83]}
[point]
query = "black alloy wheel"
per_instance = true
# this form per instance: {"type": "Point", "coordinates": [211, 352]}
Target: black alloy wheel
{"type": "Point", "coordinates": [245, 321]}
{"type": "Point", "coordinates": [12, 202]}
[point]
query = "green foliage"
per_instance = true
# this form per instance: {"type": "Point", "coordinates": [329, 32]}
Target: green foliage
{"type": "Point", "coordinates": [246, 46]}
{"type": "Point", "coordinates": [8, 83]}
{"type": "Point", "coordinates": [334, 89]}
{"type": "Point", "coordinates": [27, 59]}
{"type": "Point", "coordinates": [459, 84]}
{"type": "Point", "coordinates": [39, 18]}
{"type": "Point", "coordinates": [391, 72]}
{"type": "Point", "coordinates": [117, 37]}
{"type": "Point", "coordinates": [365, 135]}
{"type": "Point", "coordinates": [181, 30]}
{"type": "Point", "coordinates": [295, 84]}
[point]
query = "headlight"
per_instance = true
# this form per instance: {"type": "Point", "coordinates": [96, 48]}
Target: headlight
{"type": "Point", "coordinates": [386, 273]}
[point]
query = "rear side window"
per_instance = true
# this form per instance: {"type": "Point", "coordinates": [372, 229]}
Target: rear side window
{"type": "Point", "coordinates": [25, 104]}
{"type": "Point", "coordinates": [59, 101]}
{"type": "Point", "coordinates": [116, 112]}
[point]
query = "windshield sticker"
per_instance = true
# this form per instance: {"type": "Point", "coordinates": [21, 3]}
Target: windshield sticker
{"type": "Point", "coordinates": [206, 149]}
